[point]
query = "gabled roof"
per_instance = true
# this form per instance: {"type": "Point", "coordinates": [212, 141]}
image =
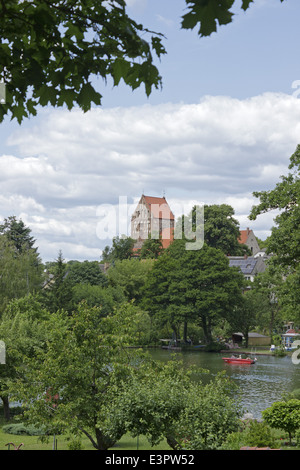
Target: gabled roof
{"type": "Point", "coordinates": [244, 234]}
{"type": "Point", "coordinates": [158, 207]}
{"type": "Point", "coordinates": [246, 265]}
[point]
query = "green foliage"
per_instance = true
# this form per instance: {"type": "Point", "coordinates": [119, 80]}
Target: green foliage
{"type": "Point", "coordinates": [86, 272]}
{"type": "Point", "coordinates": [192, 286]}
{"type": "Point", "coordinates": [167, 403]}
{"type": "Point", "coordinates": [75, 444]}
{"type": "Point", "coordinates": [284, 415]}
{"type": "Point", "coordinates": [23, 330]}
{"type": "Point", "coordinates": [108, 298]}
{"type": "Point", "coordinates": [210, 414]}
{"type": "Point", "coordinates": [21, 272]}
{"type": "Point", "coordinates": [290, 395]}
{"type": "Point", "coordinates": [256, 434]}
{"type": "Point", "coordinates": [22, 429]}
{"type": "Point", "coordinates": [279, 352]}
{"type": "Point", "coordinates": [58, 290]}
{"type": "Point", "coordinates": [210, 13]}
{"type": "Point", "coordinates": [17, 233]}
{"type": "Point", "coordinates": [222, 230]}
{"type": "Point", "coordinates": [121, 249]}
{"type": "Point", "coordinates": [130, 275]}
{"type": "Point", "coordinates": [50, 51]}
{"type": "Point", "coordinates": [285, 237]}
{"type": "Point", "coordinates": [259, 434]}
{"type": "Point", "coordinates": [151, 248]}
{"type": "Point", "coordinates": [72, 384]}
{"type": "Point", "coordinates": [250, 308]}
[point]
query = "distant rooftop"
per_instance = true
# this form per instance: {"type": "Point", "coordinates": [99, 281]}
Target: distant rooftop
{"type": "Point", "coordinates": [246, 265]}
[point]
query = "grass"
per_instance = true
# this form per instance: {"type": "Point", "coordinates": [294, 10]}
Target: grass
{"type": "Point", "coordinates": [126, 442]}
{"type": "Point", "coordinates": [35, 443]}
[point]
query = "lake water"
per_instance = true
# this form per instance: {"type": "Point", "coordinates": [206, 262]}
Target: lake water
{"type": "Point", "coordinates": [259, 384]}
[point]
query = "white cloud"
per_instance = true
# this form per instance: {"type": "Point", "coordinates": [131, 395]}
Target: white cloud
{"type": "Point", "coordinates": [220, 149]}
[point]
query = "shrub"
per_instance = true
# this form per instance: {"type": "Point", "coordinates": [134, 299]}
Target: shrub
{"type": "Point", "coordinates": [75, 444]}
{"type": "Point", "coordinates": [22, 429]}
{"type": "Point", "coordinates": [257, 434]}
{"type": "Point", "coordinates": [260, 435]}
{"type": "Point", "coordinates": [284, 415]}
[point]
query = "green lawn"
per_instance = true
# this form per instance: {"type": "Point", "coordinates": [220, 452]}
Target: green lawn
{"type": "Point", "coordinates": [34, 442]}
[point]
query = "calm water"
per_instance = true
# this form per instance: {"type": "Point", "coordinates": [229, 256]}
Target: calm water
{"type": "Point", "coordinates": [259, 384]}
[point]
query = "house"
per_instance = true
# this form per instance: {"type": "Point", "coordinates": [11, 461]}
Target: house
{"type": "Point", "coordinates": [254, 339]}
{"type": "Point", "coordinates": [249, 265]}
{"type": "Point", "coordinates": [288, 339]}
{"type": "Point", "coordinates": [248, 238]}
{"type": "Point", "coordinates": [152, 217]}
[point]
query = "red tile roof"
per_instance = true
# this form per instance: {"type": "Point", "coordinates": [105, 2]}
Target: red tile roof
{"type": "Point", "coordinates": [159, 207]}
{"type": "Point", "coordinates": [244, 234]}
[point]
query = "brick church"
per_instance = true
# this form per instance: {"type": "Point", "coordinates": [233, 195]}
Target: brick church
{"type": "Point", "coordinates": [154, 217]}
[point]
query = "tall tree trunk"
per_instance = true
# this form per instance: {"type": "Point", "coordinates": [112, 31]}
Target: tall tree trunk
{"type": "Point", "coordinates": [103, 441]}
{"type": "Point", "coordinates": [206, 331]}
{"type": "Point", "coordinates": [185, 332]}
{"type": "Point", "coordinates": [246, 334]}
{"type": "Point", "coordinates": [6, 408]}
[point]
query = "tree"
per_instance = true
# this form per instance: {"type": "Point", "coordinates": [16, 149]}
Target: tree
{"type": "Point", "coordinates": [51, 50]}
{"type": "Point", "coordinates": [87, 272]}
{"type": "Point", "coordinates": [168, 403]}
{"type": "Point", "coordinates": [269, 287]}
{"type": "Point", "coordinates": [209, 415]}
{"type": "Point", "coordinates": [58, 289]}
{"type": "Point", "coordinates": [284, 415]}
{"type": "Point", "coordinates": [130, 275]}
{"type": "Point", "coordinates": [192, 285]}
{"type": "Point", "coordinates": [21, 271]}
{"type": "Point", "coordinates": [245, 316]}
{"type": "Point", "coordinates": [289, 297]}
{"type": "Point", "coordinates": [23, 331]}
{"type": "Point", "coordinates": [151, 248]}
{"type": "Point", "coordinates": [17, 232]}
{"type": "Point", "coordinates": [108, 298]}
{"type": "Point", "coordinates": [221, 229]}
{"type": "Point", "coordinates": [284, 240]}
{"type": "Point", "coordinates": [86, 366]}
{"type": "Point", "coordinates": [122, 248]}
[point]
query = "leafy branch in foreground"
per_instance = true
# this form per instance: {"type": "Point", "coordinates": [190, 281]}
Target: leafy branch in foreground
{"type": "Point", "coordinates": [49, 52]}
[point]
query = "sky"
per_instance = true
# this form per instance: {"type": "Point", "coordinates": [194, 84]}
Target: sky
{"type": "Point", "coordinates": [224, 125]}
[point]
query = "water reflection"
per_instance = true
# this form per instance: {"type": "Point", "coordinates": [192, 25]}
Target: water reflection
{"type": "Point", "coordinates": [259, 385]}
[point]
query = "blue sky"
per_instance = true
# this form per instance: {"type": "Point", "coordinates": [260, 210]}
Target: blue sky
{"type": "Point", "coordinates": [254, 54]}
{"type": "Point", "coordinates": [224, 125]}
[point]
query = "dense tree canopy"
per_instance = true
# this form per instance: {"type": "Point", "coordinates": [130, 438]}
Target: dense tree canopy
{"type": "Point", "coordinates": [284, 241]}
{"type": "Point", "coordinates": [20, 264]}
{"type": "Point", "coordinates": [122, 248]}
{"type": "Point", "coordinates": [192, 285]}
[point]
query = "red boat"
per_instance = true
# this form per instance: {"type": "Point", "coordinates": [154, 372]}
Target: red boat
{"type": "Point", "coordinates": [238, 360]}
